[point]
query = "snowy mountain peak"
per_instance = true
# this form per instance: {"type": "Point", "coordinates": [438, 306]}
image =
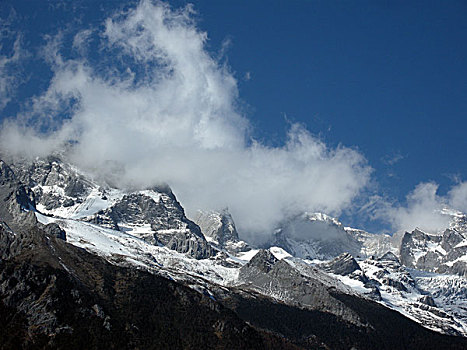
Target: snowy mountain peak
{"type": "Point", "coordinates": [319, 236]}
{"type": "Point", "coordinates": [445, 253]}
{"type": "Point", "coordinates": [219, 229]}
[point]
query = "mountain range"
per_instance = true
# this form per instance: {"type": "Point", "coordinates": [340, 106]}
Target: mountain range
{"type": "Point", "coordinates": [87, 264]}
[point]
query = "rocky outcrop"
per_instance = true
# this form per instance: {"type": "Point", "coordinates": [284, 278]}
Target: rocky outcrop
{"type": "Point", "coordinates": [427, 300]}
{"type": "Point", "coordinates": [17, 200]}
{"type": "Point", "coordinates": [260, 264]}
{"type": "Point", "coordinates": [55, 230]}
{"type": "Point", "coordinates": [445, 253]}
{"type": "Point", "coordinates": [56, 184]}
{"type": "Point", "coordinates": [280, 280]}
{"type": "Point", "coordinates": [343, 265]}
{"type": "Point", "coordinates": [219, 228]}
{"type": "Point", "coordinates": [391, 257]}
{"type": "Point", "coordinates": [164, 215]}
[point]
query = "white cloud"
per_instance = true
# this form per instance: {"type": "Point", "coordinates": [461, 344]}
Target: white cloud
{"type": "Point", "coordinates": [81, 41]}
{"type": "Point", "coordinates": [457, 196]}
{"type": "Point", "coordinates": [392, 159]}
{"type": "Point", "coordinates": [424, 208]}
{"type": "Point", "coordinates": [168, 113]}
{"type": "Point", "coordinates": [9, 77]}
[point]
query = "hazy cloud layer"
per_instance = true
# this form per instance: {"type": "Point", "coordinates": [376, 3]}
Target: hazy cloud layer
{"type": "Point", "coordinates": [167, 112]}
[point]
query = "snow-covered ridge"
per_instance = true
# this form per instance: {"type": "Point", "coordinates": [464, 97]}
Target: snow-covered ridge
{"type": "Point", "coordinates": [148, 229]}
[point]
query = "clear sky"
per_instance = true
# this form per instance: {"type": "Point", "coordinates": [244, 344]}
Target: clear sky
{"type": "Point", "coordinates": [388, 77]}
{"type": "Point", "coordinates": [385, 78]}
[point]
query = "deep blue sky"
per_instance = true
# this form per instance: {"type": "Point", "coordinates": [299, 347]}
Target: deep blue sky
{"type": "Point", "coordinates": [386, 77]}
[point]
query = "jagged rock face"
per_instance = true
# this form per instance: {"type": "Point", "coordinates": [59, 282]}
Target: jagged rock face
{"type": "Point", "coordinates": [16, 199]}
{"type": "Point", "coordinates": [428, 300]}
{"type": "Point", "coordinates": [372, 244]}
{"type": "Point", "coordinates": [346, 265]}
{"type": "Point", "coordinates": [55, 295]}
{"type": "Point", "coordinates": [220, 229]}
{"type": "Point", "coordinates": [389, 271]}
{"type": "Point", "coordinates": [165, 217]}
{"type": "Point", "coordinates": [6, 173]}
{"type": "Point", "coordinates": [156, 216]}
{"type": "Point", "coordinates": [55, 184]}
{"type": "Point", "coordinates": [412, 243]}
{"type": "Point", "coordinates": [60, 189]}
{"type": "Point", "coordinates": [392, 278]}
{"type": "Point", "coordinates": [282, 281]}
{"type": "Point", "coordinates": [186, 242]}
{"type": "Point", "coordinates": [55, 230]}
{"type": "Point", "coordinates": [343, 265]}
{"type": "Point", "coordinates": [261, 263]}
{"type": "Point", "coordinates": [390, 256]}
{"type": "Point", "coordinates": [446, 253]}
{"type": "Point", "coordinates": [385, 280]}
{"type": "Point", "coordinates": [451, 239]}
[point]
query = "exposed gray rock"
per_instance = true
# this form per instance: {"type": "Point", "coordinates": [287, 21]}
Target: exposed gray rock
{"type": "Point", "coordinates": [262, 262]}
{"type": "Point", "coordinates": [166, 217]}
{"type": "Point", "coordinates": [55, 230]}
{"type": "Point", "coordinates": [220, 228]}
{"type": "Point", "coordinates": [450, 239]}
{"type": "Point", "coordinates": [54, 173]}
{"type": "Point", "coordinates": [343, 265]}
{"type": "Point", "coordinates": [17, 200]}
{"type": "Point", "coordinates": [417, 251]}
{"type": "Point", "coordinates": [458, 268]}
{"type": "Point", "coordinates": [57, 296]}
{"type": "Point", "coordinates": [375, 294]}
{"type": "Point", "coordinates": [394, 283]}
{"type": "Point", "coordinates": [278, 279]}
{"type": "Point", "coordinates": [389, 256]}
{"type": "Point", "coordinates": [427, 300]}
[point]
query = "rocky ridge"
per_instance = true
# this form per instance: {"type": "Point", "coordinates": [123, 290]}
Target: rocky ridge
{"type": "Point", "coordinates": [444, 253]}
{"type": "Point", "coordinates": [219, 228]}
{"type": "Point", "coordinates": [149, 230]}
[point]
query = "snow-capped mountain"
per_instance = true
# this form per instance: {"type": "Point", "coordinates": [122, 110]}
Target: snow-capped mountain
{"type": "Point", "coordinates": [219, 229]}
{"type": "Point", "coordinates": [407, 291]}
{"type": "Point", "coordinates": [313, 263]}
{"type": "Point", "coordinates": [319, 236]}
{"type": "Point", "coordinates": [442, 253]}
{"type": "Point", "coordinates": [153, 215]}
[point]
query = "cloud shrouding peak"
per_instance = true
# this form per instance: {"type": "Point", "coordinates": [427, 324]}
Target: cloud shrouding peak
{"type": "Point", "coordinates": [425, 208]}
{"type": "Point", "coordinates": [165, 110]}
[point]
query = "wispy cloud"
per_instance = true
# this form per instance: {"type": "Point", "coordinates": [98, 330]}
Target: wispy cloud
{"type": "Point", "coordinates": [166, 111]}
{"type": "Point", "coordinates": [393, 158]}
{"type": "Point", "coordinates": [10, 77]}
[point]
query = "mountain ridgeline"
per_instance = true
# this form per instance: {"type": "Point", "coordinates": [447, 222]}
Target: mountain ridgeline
{"type": "Point", "coordinates": [87, 265]}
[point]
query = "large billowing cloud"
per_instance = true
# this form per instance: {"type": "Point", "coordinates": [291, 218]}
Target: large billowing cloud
{"type": "Point", "coordinates": [164, 110]}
